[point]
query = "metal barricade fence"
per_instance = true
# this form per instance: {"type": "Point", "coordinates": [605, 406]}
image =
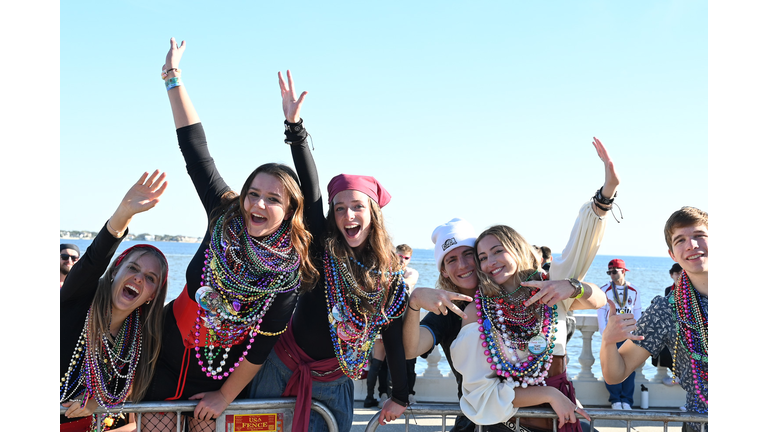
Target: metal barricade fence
{"type": "Point", "coordinates": [446, 410]}
{"type": "Point", "coordinates": [238, 407]}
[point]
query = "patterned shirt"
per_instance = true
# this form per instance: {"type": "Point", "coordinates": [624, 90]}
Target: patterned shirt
{"type": "Point", "coordinates": [657, 324]}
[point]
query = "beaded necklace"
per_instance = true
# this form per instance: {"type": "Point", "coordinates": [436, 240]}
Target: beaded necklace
{"type": "Point", "coordinates": [505, 325]}
{"type": "Point", "coordinates": [239, 284]}
{"type": "Point", "coordinates": [94, 370]}
{"type": "Point", "coordinates": [692, 334]}
{"type": "Point", "coordinates": [623, 301]}
{"type": "Point", "coordinates": [354, 329]}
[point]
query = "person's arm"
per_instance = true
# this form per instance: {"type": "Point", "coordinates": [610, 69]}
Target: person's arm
{"type": "Point", "coordinates": [392, 337]}
{"type": "Point", "coordinates": [553, 291]}
{"type": "Point", "coordinates": [296, 137]}
{"type": "Point", "coordinates": [618, 363]}
{"type": "Point", "coordinates": [184, 113]}
{"type": "Point", "coordinates": [418, 340]}
{"type": "Point", "coordinates": [213, 403]}
{"type": "Point", "coordinates": [142, 196]}
{"type": "Point", "coordinates": [637, 308]}
{"type": "Point", "coordinates": [611, 178]}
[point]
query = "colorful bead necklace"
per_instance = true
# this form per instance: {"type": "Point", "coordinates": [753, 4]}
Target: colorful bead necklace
{"type": "Point", "coordinates": [505, 325]}
{"type": "Point", "coordinates": [239, 284]}
{"type": "Point", "coordinates": [354, 329]}
{"type": "Point", "coordinates": [95, 371]}
{"type": "Point", "coordinates": [692, 334]}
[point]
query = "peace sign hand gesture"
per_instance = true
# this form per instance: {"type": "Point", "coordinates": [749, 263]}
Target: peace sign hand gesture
{"type": "Point", "coordinates": [291, 105]}
{"type": "Point", "coordinates": [619, 326]}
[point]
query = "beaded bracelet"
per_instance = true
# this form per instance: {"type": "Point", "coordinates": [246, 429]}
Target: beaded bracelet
{"type": "Point", "coordinates": [266, 333]}
{"type": "Point", "coordinates": [164, 74]}
{"type": "Point", "coordinates": [172, 82]}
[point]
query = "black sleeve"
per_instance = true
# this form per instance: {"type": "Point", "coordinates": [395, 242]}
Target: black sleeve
{"type": "Point", "coordinates": [201, 167]}
{"type": "Point", "coordinates": [296, 136]}
{"type": "Point", "coordinates": [84, 276]}
{"type": "Point", "coordinates": [392, 336]}
{"type": "Point", "coordinates": [438, 325]}
{"type": "Point", "coordinates": [274, 322]}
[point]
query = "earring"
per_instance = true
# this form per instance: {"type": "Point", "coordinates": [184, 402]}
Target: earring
{"type": "Point", "coordinates": [148, 301]}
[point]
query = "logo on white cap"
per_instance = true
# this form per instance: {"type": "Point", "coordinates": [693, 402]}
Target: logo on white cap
{"type": "Point", "coordinates": [448, 243]}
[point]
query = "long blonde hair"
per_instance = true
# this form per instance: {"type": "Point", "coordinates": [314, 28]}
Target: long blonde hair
{"type": "Point", "coordinates": [377, 253]}
{"type": "Point", "coordinates": [151, 318]}
{"type": "Point", "coordinates": [522, 252]}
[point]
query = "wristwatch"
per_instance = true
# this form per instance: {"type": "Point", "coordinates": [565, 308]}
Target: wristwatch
{"type": "Point", "coordinates": [578, 288]}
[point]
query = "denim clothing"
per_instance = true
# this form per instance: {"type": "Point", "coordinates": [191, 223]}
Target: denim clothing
{"type": "Point", "coordinates": [624, 391]}
{"type": "Point", "coordinates": [337, 395]}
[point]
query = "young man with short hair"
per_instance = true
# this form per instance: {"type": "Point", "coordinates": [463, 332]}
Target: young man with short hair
{"type": "Point", "coordinates": [626, 299]}
{"type": "Point", "coordinates": [678, 320]}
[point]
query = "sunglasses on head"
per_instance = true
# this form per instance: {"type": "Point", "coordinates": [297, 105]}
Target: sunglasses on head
{"type": "Point", "coordinates": [66, 257]}
{"type": "Point", "coordinates": [611, 272]}
{"type": "Point", "coordinates": [404, 257]}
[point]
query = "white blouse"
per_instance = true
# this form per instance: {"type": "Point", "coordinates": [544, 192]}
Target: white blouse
{"type": "Point", "coordinates": [487, 400]}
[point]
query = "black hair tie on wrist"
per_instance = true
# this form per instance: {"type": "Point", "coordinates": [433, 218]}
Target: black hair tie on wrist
{"type": "Point", "coordinates": [606, 204]}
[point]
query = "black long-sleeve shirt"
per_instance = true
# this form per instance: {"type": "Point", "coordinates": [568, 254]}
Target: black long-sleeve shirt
{"type": "Point", "coordinates": [310, 321]}
{"type": "Point", "coordinates": [76, 296]}
{"type": "Point", "coordinates": [210, 187]}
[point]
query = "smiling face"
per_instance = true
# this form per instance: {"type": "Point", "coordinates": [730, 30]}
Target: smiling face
{"type": "Point", "coordinates": [265, 205]}
{"type": "Point", "coordinates": [459, 267]}
{"type": "Point", "coordinates": [136, 281]}
{"type": "Point", "coordinates": [690, 248]}
{"type": "Point", "coordinates": [495, 260]}
{"type": "Point", "coordinates": [66, 264]}
{"type": "Point", "coordinates": [352, 213]}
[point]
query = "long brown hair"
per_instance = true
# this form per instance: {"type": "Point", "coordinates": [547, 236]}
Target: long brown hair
{"type": "Point", "coordinates": [524, 255]}
{"type": "Point", "coordinates": [377, 252]}
{"type": "Point", "coordinates": [233, 205]}
{"type": "Point", "coordinates": [151, 319]}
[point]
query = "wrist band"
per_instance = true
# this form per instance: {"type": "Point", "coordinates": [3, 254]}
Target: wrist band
{"type": "Point", "coordinates": [118, 234]}
{"type": "Point", "coordinates": [409, 307]}
{"type": "Point", "coordinates": [172, 82]}
{"type": "Point", "coordinates": [578, 288]}
{"type": "Point", "coordinates": [164, 74]}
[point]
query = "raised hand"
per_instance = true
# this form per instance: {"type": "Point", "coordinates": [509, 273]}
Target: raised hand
{"type": "Point", "coordinates": [144, 194]}
{"type": "Point", "coordinates": [173, 58]}
{"type": "Point", "coordinates": [291, 105]}
{"type": "Point", "coordinates": [619, 326]}
{"type": "Point", "coordinates": [611, 178]}
{"type": "Point", "coordinates": [437, 301]}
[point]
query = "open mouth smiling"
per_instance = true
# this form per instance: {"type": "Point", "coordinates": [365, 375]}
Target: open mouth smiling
{"type": "Point", "coordinates": [352, 230]}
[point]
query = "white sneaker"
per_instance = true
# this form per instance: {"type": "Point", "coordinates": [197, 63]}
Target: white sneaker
{"type": "Point", "coordinates": [616, 406]}
{"type": "Point", "coordinates": [626, 406]}
{"type": "Point", "coordinates": [411, 399]}
{"type": "Point", "coordinates": [669, 381]}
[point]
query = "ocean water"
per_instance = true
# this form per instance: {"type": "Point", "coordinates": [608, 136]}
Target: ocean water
{"type": "Point", "coordinates": [650, 275]}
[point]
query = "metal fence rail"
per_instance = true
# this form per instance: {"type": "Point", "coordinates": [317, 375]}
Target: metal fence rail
{"type": "Point", "coordinates": [179, 407]}
{"type": "Point", "coordinates": [446, 410]}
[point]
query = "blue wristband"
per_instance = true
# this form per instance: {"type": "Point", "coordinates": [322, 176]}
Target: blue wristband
{"type": "Point", "coordinates": [172, 82]}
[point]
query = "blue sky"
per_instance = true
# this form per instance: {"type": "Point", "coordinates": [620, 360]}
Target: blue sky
{"type": "Point", "coordinates": [483, 111]}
